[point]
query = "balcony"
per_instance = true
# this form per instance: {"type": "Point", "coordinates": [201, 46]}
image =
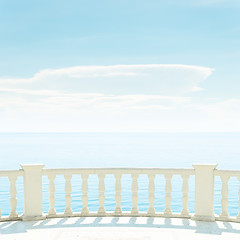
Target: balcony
{"type": "Point", "coordinates": [110, 224]}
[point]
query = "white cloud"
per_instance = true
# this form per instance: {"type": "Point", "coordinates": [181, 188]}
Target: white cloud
{"type": "Point", "coordinates": [30, 92]}
{"type": "Point", "coordinates": [227, 109]}
{"type": "Point", "coordinates": [91, 88]}
{"type": "Point", "coordinates": [53, 99]}
{"type": "Point", "coordinates": [160, 79]}
{"type": "Point", "coordinates": [114, 98]}
{"type": "Point", "coordinates": [117, 113]}
{"type": "Point", "coordinates": [196, 89]}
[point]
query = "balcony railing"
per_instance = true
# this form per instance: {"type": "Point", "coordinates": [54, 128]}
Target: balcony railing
{"type": "Point", "coordinates": [204, 174]}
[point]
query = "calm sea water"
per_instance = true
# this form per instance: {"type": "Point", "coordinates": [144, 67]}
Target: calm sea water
{"type": "Point", "coordinates": [72, 150]}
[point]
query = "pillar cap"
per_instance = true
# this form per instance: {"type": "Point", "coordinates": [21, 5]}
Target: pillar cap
{"type": "Point", "coordinates": [32, 166]}
{"type": "Point", "coordinates": [205, 166]}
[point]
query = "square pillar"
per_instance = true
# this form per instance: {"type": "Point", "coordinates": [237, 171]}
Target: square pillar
{"type": "Point", "coordinates": [204, 192]}
{"type": "Point", "coordinates": [32, 183]}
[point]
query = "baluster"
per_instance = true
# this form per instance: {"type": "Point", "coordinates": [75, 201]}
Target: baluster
{"type": "Point", "coordinates": [51, 190]}
{"type": "Point", "coordinates": [101, 189]}
{"type": "Point", "coordinates": [151, 196]}
{"type": "Point", "coordinates": [85, 194]}
{"type": "Point", "coordinates": [134, 194]}
{"type": "Point", "coordinates": [185, 189]}
{"type": "Point", "coordinates": [224, 213]}
{"type": "Point", "coordinates": [168, 198]}
{"type": "Point", "coordinates": [68, 190]}
{"type": "Point", "coordinates": [118, 209]}
{"type": "Point", "coordinates": [0, 214]}
{"type": "Point", "coordinates": [238, 216]}
{"type": "Point", "coordinates": [13, 196]}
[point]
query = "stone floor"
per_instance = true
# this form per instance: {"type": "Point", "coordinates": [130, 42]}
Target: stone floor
{"type": "Point", "coordinates": [140, 228]}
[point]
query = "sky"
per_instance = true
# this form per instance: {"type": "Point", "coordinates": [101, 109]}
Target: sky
{"type": "Point", "coordinates": [120, 66]}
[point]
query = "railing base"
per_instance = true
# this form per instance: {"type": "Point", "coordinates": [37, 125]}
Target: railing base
{"type": "Point", "coordinates": [33, 218]}
{"type": "Point", "coordinates": [6, 219]}
{"type": "Point", "coordinates": [203, 218]}
{"type": "Point", "coordinates": [125, 214]}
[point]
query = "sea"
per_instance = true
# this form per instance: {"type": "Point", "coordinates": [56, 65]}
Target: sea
{"type": "Point", "coordinates": [102, 150]}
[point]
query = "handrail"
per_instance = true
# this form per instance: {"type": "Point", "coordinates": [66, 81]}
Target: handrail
{"type": "Point", "coordinates": [6, 173]}
{"type": "Point", "coordinates": [232, 173]}
{"type": "Point", "coordinates": [61, 171]}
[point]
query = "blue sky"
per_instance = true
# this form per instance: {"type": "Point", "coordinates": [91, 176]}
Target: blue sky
{"type": "Point", "coordinates": [45, 47]}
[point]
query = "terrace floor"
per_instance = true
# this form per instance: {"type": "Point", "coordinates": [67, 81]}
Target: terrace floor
{"type": "Point", "coordinates": [114, 228]}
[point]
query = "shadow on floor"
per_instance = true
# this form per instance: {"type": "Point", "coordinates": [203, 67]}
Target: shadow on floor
{"type": "Point", "coordinates": [215, 228]}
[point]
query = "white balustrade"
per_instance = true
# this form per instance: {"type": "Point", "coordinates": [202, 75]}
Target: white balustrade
{"type": "Point", "coordinates": [185, 189]}
{"type": "Point", "coordinates": [68, 198]}
{"type": "Point", "coordinates": [134, 210]}
{"type": "Point", "coordinates": [224, 201]}
{"type": "Point", "coordinates": [204, 191]}
{"type": "Point", "coordinates": [85, 210]}
{"type": "Point", "coordinates": [238, 216]}
{"type": "Point", "coordinates": [51, 189]}
{"type": "Point", "coordinates": [101, 210]}
{"type": "Point", "coordinates": [13, 196]}
{"type": "Point", "coordinates": [118, 209]}
{"type": "Point", "coordinates": [168, 197]}
{"type": "Point", "coordinates": [12, 176]}
{"type": "Point", "coordinates": [151, 194]}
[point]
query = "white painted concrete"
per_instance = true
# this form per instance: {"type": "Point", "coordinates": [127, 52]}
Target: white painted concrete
{"type": "Point", "coordinates": [204, 192]}
{"type": "Point", "coordinates": [32, 179]}
{"type": "Point", "coordinates": [124, 228]}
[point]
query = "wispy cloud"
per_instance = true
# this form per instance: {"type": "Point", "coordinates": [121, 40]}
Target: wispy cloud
{"type": "Point", "coordinates": [162, 79]}
{"type": "Point", "coordinates": [108, 98]}
{"type": "Point", "coordinates": [52, 99]}
{"type": "Point", "coordinates": [153, 86]}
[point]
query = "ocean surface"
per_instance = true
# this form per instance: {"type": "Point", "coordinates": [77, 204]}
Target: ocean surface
{"type": "Point", "coordinates": [76, 150]}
